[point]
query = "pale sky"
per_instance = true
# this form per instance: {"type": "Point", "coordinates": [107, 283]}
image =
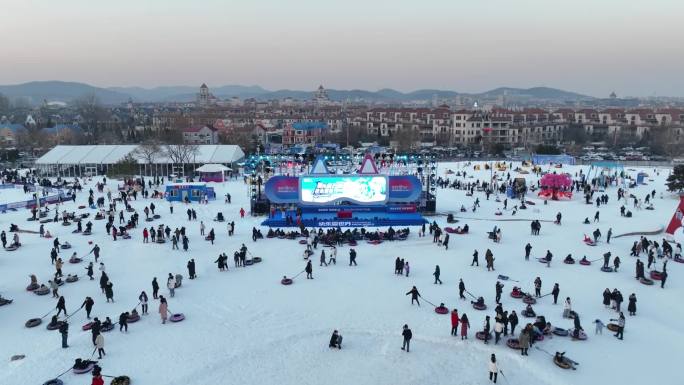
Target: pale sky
{"type": "Point", "coordinates": [635, 47]}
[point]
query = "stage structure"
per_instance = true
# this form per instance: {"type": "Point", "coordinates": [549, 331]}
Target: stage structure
{"type": "Point", "coordinates": [322, 198]}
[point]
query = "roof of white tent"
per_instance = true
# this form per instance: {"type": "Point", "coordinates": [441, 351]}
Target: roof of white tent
{"type": "Point", "coordinates": [110, 154]}
{"type": "Point", "coordinates": [212, 167]}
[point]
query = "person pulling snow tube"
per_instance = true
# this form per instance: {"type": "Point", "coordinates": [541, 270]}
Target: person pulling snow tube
{"type": "Point", "coordinates": [607, 269]}
{"type": "Point", "coordinates": [528, 299]}
{"type": "Point", "coordinates": [256, 259]}
{"type": "Point", "coordinates": [54, 381]}
{"type": "Point", "coordinates": [562, 362]}
{"type": "Point", "coordinates": [44, 290]}
{"type": "Point", "coordinates": [72, 278]}
{"type": "Point", "coordinates": [560, 332]}
{"type": "Point", "coordinates": [656, 275]}
{"type": "Point", "coordinates": [32, 287]}
{"type": "Point", "coordinates": [646, 281]}
{"type": "Point", "coordinates": [121, 380]}
{"type": "Point", "coordinates": [513, 343]}
{"type": "Point", "coordinates": [581, 336]}
{"type": "Point", "coordinates": [286, 281]}
{"type": "Point", "coordinates": [613, 327]}
{"type": "Point", "coordinates": [481, 336]}
{"type": "Point", "coordinates": [441, 309]}
{"type": "Point", "coordinates": [517, 293]}
{"type": "Point", "coordinates": [33, 322]}
{"type": "Point", "coordinates": [54, 326]}
{"type": "Point", "coordinates": [178, 317]}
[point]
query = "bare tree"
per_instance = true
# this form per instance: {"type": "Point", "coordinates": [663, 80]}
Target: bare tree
{"type": "Point", "coordinates": [148, 152]}
{"type": "Point", "coordinates": [181, 154]}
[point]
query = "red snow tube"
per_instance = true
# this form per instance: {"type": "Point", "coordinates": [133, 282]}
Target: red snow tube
{"type": "Point", "coordinates": [286, 281]}
{"type": "Point", "coordinates": [481, 335]}
{"type": "Point", "coordinates": [132, 318]}
{"type": "Point", "coordinates": [590, 243]}
{"type": "Point", "coordinates": [656, 275]}
{"type": "Point", "coordinates": [646, 281]}
{"type": "Point", "coordinates": [585, 262]}
{"type": "Point", "coordinates": [450, 230]}
{"type": "Point", "coordinates": [479, 307]}
{"type": "Point", "coordinates": [374, 242]}
{"type": "Point", "coordinates": [513, 343]}
{"type": "Point", "coordinates": [516, 294]}
{"type": "Point", "coordinates": [581, 336]}
{"type": "Point", "coordinates": [32, 287]}
{"type": "Point", "coordinates": [612, 327]}
{"type": "Point", "coordinates": [607, 269]}
{"type": "Point", "coordinates": [178, 317]}
{"type": "Point", "coordinates": [529, 300]}
{"type": "Point", "coordinates": [302, 241]}
{"type": "Point", "coordinates": [441, 310]}
{"type": "Point", "coordinates": [33, 322]}
{"type": "Point", "coordinates": [84, 370]}
{"type": "Point", "coordinates": [87, 326]}
{"type": "Point", "coordinates": [54, 326]}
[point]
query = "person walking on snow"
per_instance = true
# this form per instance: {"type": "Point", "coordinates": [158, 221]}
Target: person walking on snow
{"type": "Point", "coordinates": [436, 274]}
{"type": "Point", "coordinates": [454, 322]}
{"type": "Point", "coordinates": [493, 369]}
{"type": "Point", "coordinates": [163, 309]}
{"type": "Point", "coordinates": [414, 295]}
{"type": "Point", "coordinates": [309, 270]}
{"type": "Point", "coordinates": [407, 334]}
{"type": "Point", "coordinates": [99, 345]}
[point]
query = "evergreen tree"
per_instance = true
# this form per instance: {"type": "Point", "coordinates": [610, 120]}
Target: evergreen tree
{"type": "Point", "coordinates": [675, 182]}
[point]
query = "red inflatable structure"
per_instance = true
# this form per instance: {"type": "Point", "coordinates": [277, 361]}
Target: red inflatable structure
{"type": "Point", "coordinates": [676, 221]}
{"type": "Point", "coordinates": [557, 187]}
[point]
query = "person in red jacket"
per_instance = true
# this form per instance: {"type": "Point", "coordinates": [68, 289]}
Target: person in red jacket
{"type": "Point", "coordinates": [97, 380]}
{"type": "Point", "coordinates": [242, 212]}
{"type": "Point", "coordinates": [464, 326]}
{"type": "Point", "coordinates": [146, 234]}
{"type": "Point", "coordinates": [454, 322]}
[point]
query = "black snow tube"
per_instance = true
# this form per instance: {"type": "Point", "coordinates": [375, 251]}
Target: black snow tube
{"type": "Point", "coordinates": [87, 232]}
{"type": "Point", "coordinates": [513, 343]}
{"type": "Point", "coordinates": [529, 300]}
{"type": "Point", "coordinates": [160, 240]}
{"type": "Point", "coordinates": [560, 332]}
{"type": "Point", "coordinates": [481, 335]}
{"type": "Point", "coordinates": [43, 291]}
{"type": "Point", "coordinates": [527, 314]}
{"type": "Point", "coordinates": [32, 287]}
{"type": "Point", "coordinates": [75, 260]}
{"type": "Point", "coordinates": [11, 248]}
{"type": "Point", "coordinates": [479, 307]}
{"type": "Point", "coordinates": [249, 262]}
{"type": "Point", "coordinates": [65, 246]}
{"type": "Point", "coordinates": [133, 318]}
{"type": "Point", "coordinates": [156, 216]}
{"type": "Point", "coordinates": [54, 326]}
{"type": "Point", "coordinates": [562, 363]}
{"type": "Point", "coordinates": [121, 380]}
{"type": "Point", "coordinates": [107, 328]}
{"type": "Point", "coordinates": [66, 223]}
{"type": "Point", "coordinates": [569, 261]}
{"type": "Point", "coordinates": [149, 219]}
{"type": "Point", "coordinates": [607, 269]}
{"type": "Point", "coordinates": [54, 381]}
{"type": "Point", "coordinates": [72, 278]}
{"type": "Point", "coordinates": [5, 301]}
{"type": "Point", "coordinates": [646, 281]}
{"type": "Point", "coordinates": [33, 322]}
{"type": "Point", "coordinates": [286, 281]}
{"type": "Point", "coordinates": [256, 259]}
{"type": "Point", "coordinates": [84, 370]}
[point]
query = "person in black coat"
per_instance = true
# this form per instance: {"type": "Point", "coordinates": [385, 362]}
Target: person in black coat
{"type": "Point", "coordinates": [95, 328]}
{"type": "Point", "coordinates": [461, 289]}
{"type": "Point", "coordinates": [528, 249]}
{"type": "Point", "coordinates": [335, 340]}
{"type": "Point", "coordinates": [88, 304]}
{"type": "Point", "coordinates": [64, 331]}
{"type": "Point", "coordinates": [437, 274]}
{"type": "Point", "coordinates": [578, 326]}
{"type": "Point", "coordinates": [662, 280]}
{"type": "Point", "coordinates": [513, 320]}
{"type": "Point", "coordinates": [109, 291]}
{"type": "Point", "coordinates": [191, 268]}
{"type": "Point", "coordinates": [155, 288]}
{"type": "Point", "coordinates": [555, 292]}
{"type": "Point", "coordinates": [414, 295]}
{"type": "Point", "coordinates": [61, 306]}
{"type": "Point", "coordinates": [631, 306]}
{"type": "Point", "coordinates": [499, 289]}
{"type": "Point", "coordinates": [407, 334]}
{"type": "Point", "coordinates": [309, 270]}
{"type": "Point", "coordinates": [123, 322]}
{"type": "Point", "coordinates": [606, 297]}
{"type": "Point", "coordinates": [352, 257]}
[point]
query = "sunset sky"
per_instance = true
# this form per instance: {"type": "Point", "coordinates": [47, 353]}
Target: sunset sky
{"type": "Point", "coordinates": [588, 46]}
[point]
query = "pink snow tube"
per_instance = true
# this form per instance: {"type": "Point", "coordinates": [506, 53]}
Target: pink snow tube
{"type": "Point", "coordinates": [302, 241]}
{"type": "Point", "coordinates": [286, 281]}
{"type": "Point", "coordinates": [353, 243]}
{"type": "Point", "coordinates": [581, 336]}
{"type": "Point", "coordinates": [481, 335]}
{"type": "Point", "coordinates": [178, 317]}
{"type": "Point", "coordinates": [450, 230]}
{"type": "Point", "coordinates": [374, 242]}
{"type": "Point", "coordinates": [585, 262]}
{"type": "Point", "coordinates": [133, 318]}
{"type": "Point", "coordinates": [441, 310]}
{"type": "Point", "coordinates": [656, 275]}
{"type": "Point", "coordinates": [479, 307]}
{"type": "Point", "coordinates": [513, 343]}
{"type": "Point", "coordinates": [529, 300]}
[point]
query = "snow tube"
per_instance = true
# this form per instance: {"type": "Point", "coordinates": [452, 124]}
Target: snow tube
{"type": "Point", "coordinates": [33, 322]}
{"type": "Point", "coordinates": [646, 281]}
{"type": "Point", "coordinates": [54, 381]}
{"type": "Point", "coordinates": [590, 243]}
{"type": "Point", "coordinates": [156, 216]}
{"type": "Point", "coordinates": [530, 203]}
{"type": "Point", "coordinates": [585, 262]}
{"type": "Point", "coordinates": [560, 332]}
{"type": "Point", "coordinates": [270, 236]}
{"type": "Point", "coordinates": [65, 246]}
{"type": "Point", "coordinates": [11, 248]}
{"type": "Point", "coordinates": [87, 232]}
{"type": "Point", "coordinates": [581, 336]}
{"type": "Point", "coordinates": [680, 260]}
{"type": "Point", "coordinates": [43, 291]}
{"type": "Point", "coordinates": [353, 243]}
{"type": "Point", "coordinates": [72, 278]}
{"type": "Point", "coordinates": [513, 343]}
{"type": "Point", "coordinates": [132, 318]}
{"type": "Point", "coordinates": [107, 328]}
{"type": "Point", "coordinates": [32, 287]}
{"type": "Point", "coordinates": [607, 269]}
{"type": "Point", "coordinates": [75, 231]}
{"type": "Point", "coordinates": [256, 259]}
{"type": "Point", "coordinates": [54, 326]}
{"type": "Point", "coordinates": [286, 281]}
{"type": "Point", "coordinates": [517, 294]}
{"type": "Point", "coordinates": [5, 301]}
{"type": "Point", "coordinates": [66, 223]}
{"type": "Point", "coordinates": [302, 241]}
{"type": "Point", "coordinates": [479, 307]}
{"type": "Point", "coordinates": [656, 275]}
{"type": "Point", "coordinates": [249, 262]}
{"type": "Point", "coordinates": [441, 310]}
{"type": "Point", "coordinates": [613, 327]}
{"type": "Point", "coordinates": [121, 380]}
{"type": "Point", "coordinates": [31, 219]}
{"type": "Point", "coordinates": [149, 219]}
{"type": "Point", "coordinates": [178, 317]}
{"type": "Point", "coordinates": [562, 363]}
{"type": "Point", "coordinates": [81, 207]}
{"type": "Point", "coordinates": [44, 221]}
{"type": "Point", "coordinates": [374, 242]}
{"type": "Point", "coordinates": [540, 337]}
{"type": "Point", "coordinates": [569, 261]}
{"type": "Point", "coordinates": [542, 260]}
{"type": "Point", "coordinates": [160, 240]}
{"type": "Point", "coordinates": [87, 326]}
{"type": "Point", "coordinates": [529, 300]}
{"type": "Point", "coordinates": [481, 335]}
{"type": "Point", "coordinates": [528, 315]}
{"type": "Point", "coordinates": [84, 370]}
{"type": "Point", "coordinates": [75, 260]}
{"type": "Point", "coordinates": [450, 230]}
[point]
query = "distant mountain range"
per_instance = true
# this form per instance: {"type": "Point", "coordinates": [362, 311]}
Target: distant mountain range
{"type": "Point", "coordinates": [36, 92]}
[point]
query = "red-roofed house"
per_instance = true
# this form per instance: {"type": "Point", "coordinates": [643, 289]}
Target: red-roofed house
{"type": "Point", "coordinates": [200, 135]}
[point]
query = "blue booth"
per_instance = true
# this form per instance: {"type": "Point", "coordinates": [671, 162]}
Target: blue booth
{"type": "Point", "coordinates": [191, 192]}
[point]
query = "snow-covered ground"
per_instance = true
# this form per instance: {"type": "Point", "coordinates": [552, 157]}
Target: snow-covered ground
{"type": "Point", "coordinates": [244, 327]}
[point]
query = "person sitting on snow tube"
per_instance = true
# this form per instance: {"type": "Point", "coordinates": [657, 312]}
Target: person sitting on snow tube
{"type": "Point", "coordinates": [13, 228]}
{"type": "Point", "coordinates": [80, 364]}
{"type": "Point", "coordinates": [335, 340]}
{"type": "Point", "coordinates": [569, 259]}
{"type": "Point", "coordinates": [586, 221]}
{"type": "Point", "coordinates": [219, 217]}
{"type": "Point", "coordinates": [107, 323]}
{"type": "Point", "coordinates": [547, 329]}
{"type": "Point", "coordinates": [584, 260]}
{"type": "Point", "coordinates": [463, 209]}
{"type": "Point", "coordinates": [529, 311]}
{"type": "Point", "coordinates": [479, 302]}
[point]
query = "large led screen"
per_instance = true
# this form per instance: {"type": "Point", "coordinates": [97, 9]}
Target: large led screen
{"type": "Point", "coordinates": [358, 189]}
